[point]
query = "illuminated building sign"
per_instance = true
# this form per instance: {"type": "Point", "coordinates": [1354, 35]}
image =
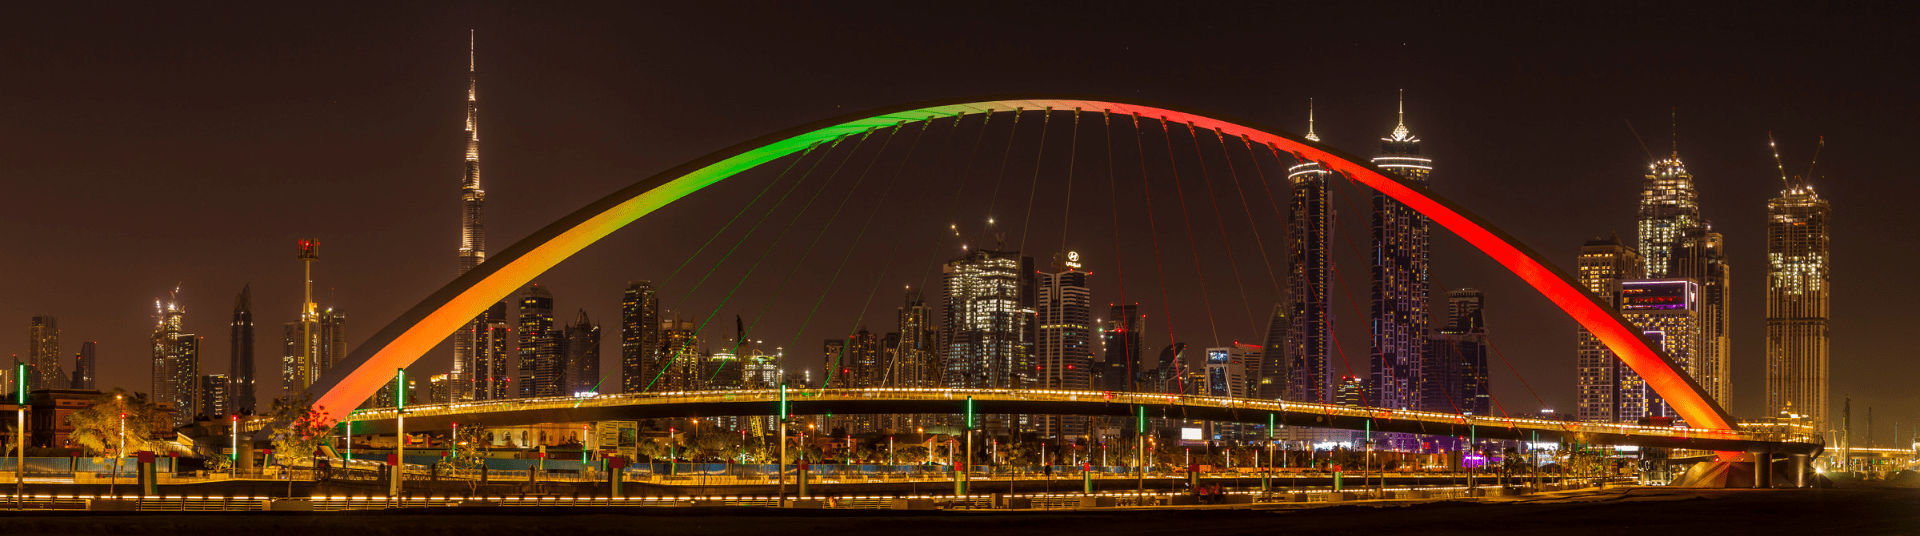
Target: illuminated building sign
{"type": "Point", "coordinates": [1659, 295]}
{"type": "Point", "coordinates": [1073, 260]}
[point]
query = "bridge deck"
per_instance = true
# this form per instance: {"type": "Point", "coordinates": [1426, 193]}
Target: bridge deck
{"type": "Point", "coordinates": [1777, 438]}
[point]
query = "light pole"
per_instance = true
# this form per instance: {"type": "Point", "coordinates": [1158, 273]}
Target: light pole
{"type": "Point", "coordinates": [20, 435]}
{"type": "Point", "coordinates": [233, 457]}
{"type": "Point", "coordinates": [400, 423]}
{"type": "Point", "coordinates": [780, 467]}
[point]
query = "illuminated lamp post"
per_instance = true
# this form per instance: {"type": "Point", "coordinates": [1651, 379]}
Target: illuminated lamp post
{"type": "Point", "coordinates": [780, 467]}
{"type": "Point", "coordinates": [400, 423]}
{"type": "Point", "coordinates": [233, 456]}
{"type": "Point", "coordinates": [20, 435]}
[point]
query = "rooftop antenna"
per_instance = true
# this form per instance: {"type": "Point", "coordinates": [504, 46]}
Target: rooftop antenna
{"type": "Point", "coordinates": [1310, 135]}
{"type": "Point", "coordinates": [1816, 158]}
{"type": "Point", "coordinates": [1675, 133]}
{"type": "Point", "coordinates": [1776, 160]}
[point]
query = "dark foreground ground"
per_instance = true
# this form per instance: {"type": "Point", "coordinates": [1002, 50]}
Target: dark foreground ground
{"type": "Point", "coordinates": [1638, 512]}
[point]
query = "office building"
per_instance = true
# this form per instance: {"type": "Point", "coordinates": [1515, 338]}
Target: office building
{"type": "Point", "coordinates": [542, 346]}
{"type": "Point", "coordinates": [1065, 310]}
{"type": "Point", "coordinates": [215, 393]}
{"type": "Point", "coordinates": [916, 358]}
{"type": "Point", "coordinates": [1669, 208]}
{"type": "Point", "coordinates": [834, 363]}
{"type": "Point", "coordinates": [491, 376]}
{"type": "Point", "coordinates": [176, 361]}
{"type": "Point", "coordinates": [1666, 313]}
{"type": "Point", "coordinates": [1701, 256]}
{"type": "Point", "coordinates": [679, 356]}
{"type": "Point", "coordinates": [1456, 375]}
{"type": "Point", "coordinates": [987, 321]}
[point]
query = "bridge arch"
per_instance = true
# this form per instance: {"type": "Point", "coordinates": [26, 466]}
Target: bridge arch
{"type": "Point", "coordinates": [422, 327]}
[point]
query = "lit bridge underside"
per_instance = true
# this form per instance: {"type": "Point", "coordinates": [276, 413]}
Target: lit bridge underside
{"type": "Point", "coordinates": [517, 412]}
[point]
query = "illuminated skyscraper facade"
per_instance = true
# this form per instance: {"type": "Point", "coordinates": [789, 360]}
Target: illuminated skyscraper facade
{"type": "Point", "coordinates": [639, 336]}
{"type": "Point", "coordinates": [987, 321]}
{"type": "Point", "coordinates": [1309, 309]}
{"type": "Point", "coordinates": [541, 346]}
{"type": "Point", "coordinates": [491, 377]}
{"type": "Point", "coordinates": [84, 366]}
{"type": "Point", "coordinates": [1399, 315]}
{"type": "Point", "coordinates": [678, 362]}
{"type": "Point", "coordinates": [473, 236]}
{"type": "Point", "coordinates": [1603, 265]}
{"type": "Point", "coordinates": [1669, 208]}
{"type": "Point", "coordinates": [1701, 257]}
{"type": "Point", "coordinates": [1065, 310]}
{"type": "Point", "coordinates": [176, 362]}
{"type": "Point", "coordinates": [916, 357]}
{"type": "Point", "coordinates": [1667, 313]}
{"type": "Point", "coordinates": [1797, 293]}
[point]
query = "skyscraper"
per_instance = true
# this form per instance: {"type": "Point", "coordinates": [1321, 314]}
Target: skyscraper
{"type": "Point", "coordinates": [1121, 343]}
{"type": "Point", "coordinates": [1307, 349]}
{"type": "Point", "coordinates": [833, 359]}
{"type": "Point", "coordinates": [916, 359]}
{"type": "Point", "coordinates": [1701, 256]}
{"type": "Point", "coordinates": [1065, 308]}
{"type": "Point", "coordinates": [1669, 207]}
{"type": "Point", "coordinates": [473, 234]}
{"type": "Point", "coordinates": [540, 345]}
{"type": "Point", "coordinates": [43, 353]}
{"type": "Point", "coordinates": [297, 370]}
{"type": "Point", "coordinates": [1666, 313]}
{"type": "Point", "coordinates": [1797, 288]}
{"type": "Point", "coordinates": [583, 356]}
{"type": "Point", "coordinates": [84, 366]}
{"type": "Point", "coordinates": [639, 336]}
{"type": "Point", "coordinates": [176, 361]}
{"type": "Point", "coordinates": [239, 355]}
{"type": "Point", "coordinates": [1399, 313]}
{"type": "Point", "coordinates": [987, 320]}
{"type": "Point", "coordinates": [215, 393]}
{"type": "Point", "coordinates": [331, 345]}
{"type": "Point", "coordinates": [677, 364]}
{"type": "Point", "coordinates": [861, 365]}
{"type": "Point", "coordinates": [1456, 363]}
{"type": "Point", "coordinates": [1603, 264]}
{"type": "Point", "coordinates": [491, 377]}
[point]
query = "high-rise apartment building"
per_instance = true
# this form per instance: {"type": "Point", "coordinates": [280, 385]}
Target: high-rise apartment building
{"type": "Point", "coordinates": [1604, 263]}
{"type": "Point", "coordinates": [1271, 383]}
{"type": "Point", "coordinates": [916, 358]}
{"type": "Point", "coordinates": [1309, 310]}
{"type": "Point", "coordinates": [541, 347]}
{"type": "Point", "coordinates": [1065, 309]}
{"type": "Point", "coordinates": [1399, 313]}
{"type": "Point", "coordinates": [583, 357]}
{"type": "Point", "coordinates": [834, 363]}
{"type": "Point", "coordinates": [1798, 284]}
{"type": "Point", "coordinates": [473, 234]}
{"type": "Point", "coordinates": [43, 352]}
{"type": "Point", "coordinates": [1227, 370]}
{"type": "Point", "coordinates": [861, 365]}
{"type": "Point", "coordinates": [987, 321]}
{"type": "Point", "coordinates": [1121, 340]}
{"type": "Point", "coordinates": [240, 376]}
{"type": "Point", "coordinates": [84, 366]}
{"type": "Point", "coordinates": [639, 336]}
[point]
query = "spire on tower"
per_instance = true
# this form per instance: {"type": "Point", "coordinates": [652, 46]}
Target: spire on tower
{"type": "Point", "coordinates": [1675, 133]}
{"type": "Point", "coordinates": [1310, 134]}
{"type": "Point", "coordinates": [1400, 132]}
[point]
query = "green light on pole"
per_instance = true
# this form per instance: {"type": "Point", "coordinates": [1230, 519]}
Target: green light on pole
{"type": "Point", "coordinates": [783, 401]}
{"type": "Point", "coordinates": [969, 413]}
{"type": "Point", "coordinates": [400, 390]}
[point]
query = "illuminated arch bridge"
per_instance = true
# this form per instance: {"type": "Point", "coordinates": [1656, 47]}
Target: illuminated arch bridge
{"type": "Point", "coordinates": [423, 327]}
{"type": "Point", "coordinates": [702, 404]}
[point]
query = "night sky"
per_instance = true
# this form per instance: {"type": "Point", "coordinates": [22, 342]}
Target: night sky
{"type": "Point", "coordinates": [147, 146]}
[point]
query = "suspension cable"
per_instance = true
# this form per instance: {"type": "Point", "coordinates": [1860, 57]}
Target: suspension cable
{"type": "Point", "coordinates": [854, 245]}
{"type": "Point", "coordinates": [953, 203]}
{"type": "Point", "coordinates": [1221, 220]}
{"type": "Point", "coordinates": [1184, 217]}
{"type": "Point", "coordinates": [736, 217]}
{"type": "Point", "coordinates": [993, 199]}
{"type": "Point", "coordinates": [1235, 174]}
{"type": "Point", "coordinates": [1032, 185]}
{"type": "Point", "coordinates": [1159, 265]}
{"type": "Point", "coordinates": [1113, 197]}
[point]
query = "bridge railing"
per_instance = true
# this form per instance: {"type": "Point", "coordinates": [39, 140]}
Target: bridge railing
{"type": "Point", "coordinates": [1769, 432]}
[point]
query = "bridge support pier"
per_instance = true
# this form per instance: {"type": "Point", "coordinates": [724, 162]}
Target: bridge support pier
{"type": "Point", "coordinates": [1762, 467]}
{"type": "Point", "coordinates": [1798, 464]}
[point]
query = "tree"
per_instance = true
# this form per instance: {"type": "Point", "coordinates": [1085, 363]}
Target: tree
{"type": "Point", "coordinates": [99, 427]}
{"type": "Point", "coordinates": [299, 428]}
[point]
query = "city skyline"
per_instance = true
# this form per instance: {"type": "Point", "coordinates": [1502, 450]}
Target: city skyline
{"type": "Point", "coordinates": [357, 273]}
